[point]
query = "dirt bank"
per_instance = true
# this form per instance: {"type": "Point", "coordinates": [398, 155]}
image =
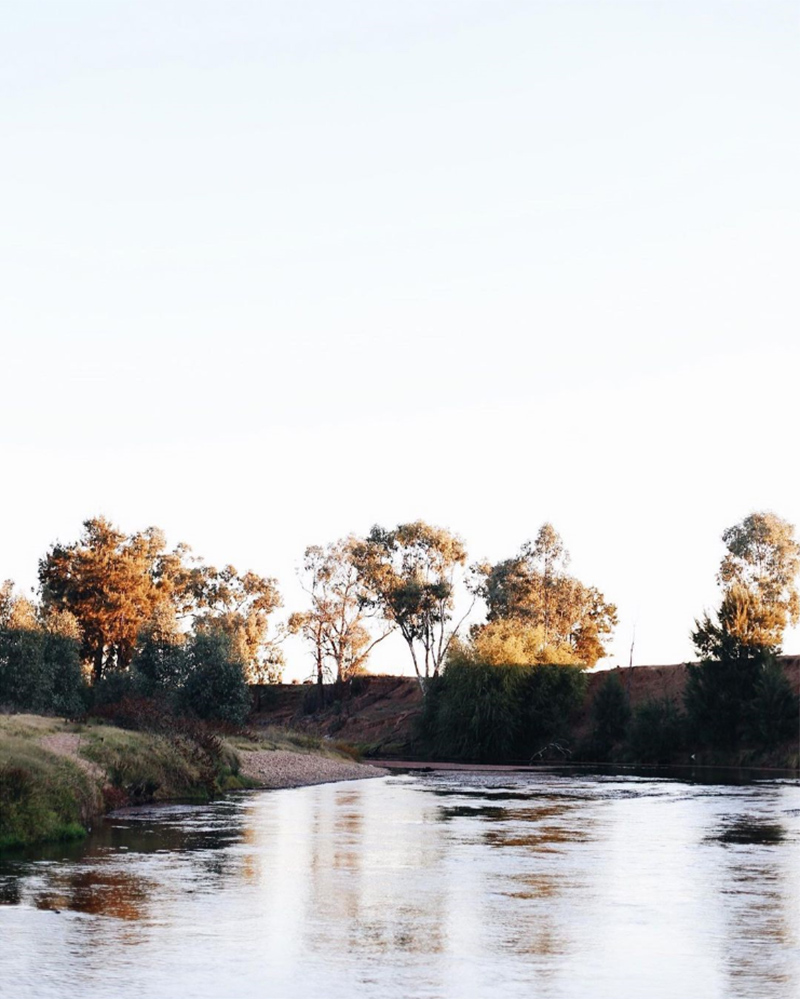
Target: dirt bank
{"type": "Point", "coordinates": [378, 713]}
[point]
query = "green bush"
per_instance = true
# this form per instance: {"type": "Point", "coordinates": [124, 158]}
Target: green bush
{"type": "Point", "coordinates": [475, 711]}
{"type": "Point", "coordinates": [160, 667]}
{"type": "Point", "coordinates": [40, 671]}
{"type": "Point", "coordinates": [115, 686]}
{"type": "Point", "coordinates": [215, 686]}
{"type": "Point", "coordinates": [719, 695]}
{"type": "Point", "coordinates": [773, 713]}
{"type": "Point", "coordinates": [656, 733]}
{"type": "Point", "coordinates": [610, 714]}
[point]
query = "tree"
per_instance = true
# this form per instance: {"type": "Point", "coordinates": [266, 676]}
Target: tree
{"type": "Point", "coordinates": [215, 686]}
{"type": "Point", "coordinates": [533, 587]}
{"type": "Point", "coordinates": [335, 624]}
{"type": "Point", "coordinates": [610, 714]}
{"type": "Point", "coordinates": [548, 559]}
{"type": "Point", "coordinates": [516, 642]}
{"type": "Point", "coordinates": [764, 557]}
{"type": "Point", "coordinates": [408, 575]}
{"type": "Point", "coordinates": [734, 655]}
{"type": "Point", "coordinates": [39, 657]}
{"type": "Point", "coordinates": [735, 692]}
{"type": "Point", "coordinates": [111, 583]}
{"type": "Point", "coordinates": [118, 586]}
{"type": "Point", "coordinates": [240, 606]}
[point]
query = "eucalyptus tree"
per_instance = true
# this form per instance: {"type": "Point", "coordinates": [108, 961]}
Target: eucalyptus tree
{"type": "Point", "coordinates": [117, 586]}
{"type": "Point", "coordinates": [763, 556]}
{"type": "Point", "coordinates": [409, 575]}
{"type": "Point", "coordinates": [534, 589]}
{"type": "Point", "coordinates": [336, 623]}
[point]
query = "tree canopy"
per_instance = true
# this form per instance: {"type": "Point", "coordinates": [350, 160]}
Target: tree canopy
{"type": "Point", "coordinates": [763, 557]}
{"type": "Point", "coordinates": [408, 575]}
{"type": "Point", "coordinates": [335, 625]}
{"type": "Point", "coordinates": [533, 588]}
{"type": "Point", "coordinates": [117, 586]}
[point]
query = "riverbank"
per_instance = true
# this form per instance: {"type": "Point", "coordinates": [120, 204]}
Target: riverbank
{"type": "Point", "coordinates": [58, 778]}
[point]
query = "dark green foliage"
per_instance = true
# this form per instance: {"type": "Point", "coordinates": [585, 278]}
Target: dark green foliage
{"type": "Point", "coordinates": [774, 710]}
{"type": "Point", "coordinates": [721, 690]}
{"type": "Point", "coordinates": [40, 671]}
{"type": "Point", "coordinates": [656, 732]}
{"type": "Point", "coordinates": [45, 799]}
{"type": "Point", "coordinates": [68, 692]}
{"type": "Point", "coordinates": [475, 711]}
{"type": "Point", "coordinates": [115, 686]}
{"type": "Point", "coordinates": [720, 693]}
{"type": "Point", "coordinates": [611, 714]}
{"type": "Point", "coordinates": [215, 687]}
{"type": "Point", "coordinates": [160, 667]}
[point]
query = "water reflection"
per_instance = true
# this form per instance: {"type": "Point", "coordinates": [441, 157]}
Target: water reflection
{"type": "Point", "coordinates": [757, 880]}
{"type": "Point", "coordinates": [440, 885]}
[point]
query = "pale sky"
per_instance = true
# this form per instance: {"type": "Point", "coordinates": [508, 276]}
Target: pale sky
{"type": "Point", "coordinates": [276, 271]}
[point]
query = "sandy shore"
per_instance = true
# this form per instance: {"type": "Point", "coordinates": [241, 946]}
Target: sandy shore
{"type": "Point", "coordinates": [282, 768]}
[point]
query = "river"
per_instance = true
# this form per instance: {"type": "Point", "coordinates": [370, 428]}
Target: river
{"type": "Point", "coordinates": [435, 885]}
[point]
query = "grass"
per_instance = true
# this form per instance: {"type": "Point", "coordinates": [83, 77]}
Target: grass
{"type": "Point", "coordinates": [48, 797]}
{"type": "Point", "coordinates": [45, 797]}
{"type": "Point", "coordinates": [274, 737]}
{"type": "Point", "coordinates": [42, 796]}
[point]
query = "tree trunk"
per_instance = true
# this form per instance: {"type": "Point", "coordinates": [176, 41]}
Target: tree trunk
{"type": "Point", "coordinates": [97, 668]}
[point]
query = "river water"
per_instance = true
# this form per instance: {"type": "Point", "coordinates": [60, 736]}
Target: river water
{"type": "Point", "coordinates": [435, 885]}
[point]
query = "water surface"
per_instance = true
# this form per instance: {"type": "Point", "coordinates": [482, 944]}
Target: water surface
{"type": "Point", "coordinates": [437, 885]}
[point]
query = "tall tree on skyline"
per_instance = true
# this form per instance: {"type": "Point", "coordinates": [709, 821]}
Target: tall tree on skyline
{"type": "Point", "coordinates": [763, 557]}
{"type": "Point", "coordinates": [336, 623]}
{"type": "Point", "coordinates": [533, 587]}
{"type": "Point", "coordinates": [408, 574]}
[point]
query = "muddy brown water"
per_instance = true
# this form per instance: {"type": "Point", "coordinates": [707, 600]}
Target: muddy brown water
{"type": "Point", "coordinates": [435, 885]}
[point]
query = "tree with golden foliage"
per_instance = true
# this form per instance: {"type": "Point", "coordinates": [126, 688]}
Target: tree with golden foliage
{"type": "Point", "coordinates": [764, 558]}
{"type": "Point", "coordinates": [117, 586]}
{"type": "Point", "coordinates": [739, 692]}
{"type": "Point", "coordinates": [556, 618]}
{"type": "Point", "coordinates": [239, 606]}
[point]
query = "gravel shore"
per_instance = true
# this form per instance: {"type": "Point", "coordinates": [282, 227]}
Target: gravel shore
{"type": "Point", "coordinates": [282, 768]}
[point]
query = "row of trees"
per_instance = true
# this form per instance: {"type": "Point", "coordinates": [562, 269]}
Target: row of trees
{"type": "Point", "coordinates": [405, 579]}
{"type": "Point", "coordinates": [129, 605]}
{"type": "Point", "coordinates": [119, 595]}
{"type": "Point", "coordinates": [738, 694]}
{"type": "Point", "coordinates": [496, 701]}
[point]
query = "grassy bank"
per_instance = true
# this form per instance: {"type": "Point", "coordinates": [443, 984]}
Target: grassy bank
{"type": "Point", "coordinates": [57, 778]}
{"type": "Point", "coordinates": [43, 796]}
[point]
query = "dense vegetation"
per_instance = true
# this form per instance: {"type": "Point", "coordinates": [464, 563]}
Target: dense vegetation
{"type": "Point", "coordinates": [476, 711]}
{"type": "Point", "coordinates": [121, 619]}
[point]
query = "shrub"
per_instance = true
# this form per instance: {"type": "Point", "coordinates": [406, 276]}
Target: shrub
{"type": "Point", "coordinates": [40, 671]}
{"type": "Point", "coordinates": [160, 667]}
{"type": "Point", "coordinates": [656, 733]}
{"type": "Point", "coordinates": [719, 694]}
{"type": "Point", "coordinates": [487, 713]}
{"type": "Point", "coordinates": [773, 710]}
{"type": "Point", "coordinates": [115, 686]}
{"type": "Point", "coordinates": [215, 687]}
{"type": "Point", "coordinates": [611, 714]}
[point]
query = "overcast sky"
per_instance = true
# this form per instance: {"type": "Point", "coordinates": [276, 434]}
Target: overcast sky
{"type": "Point", "coordinates": [276, 271]}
